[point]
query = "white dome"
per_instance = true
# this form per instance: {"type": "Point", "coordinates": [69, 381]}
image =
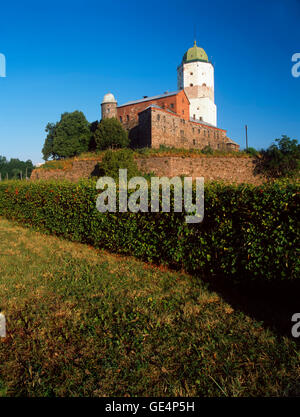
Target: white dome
{"type": "Point", "coordinates": [109, 98]}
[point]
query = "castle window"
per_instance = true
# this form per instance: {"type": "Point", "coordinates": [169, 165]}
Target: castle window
{"type": "Point", "coordinates": [194, 142]}
{"type": "Point", "coordinates": [193, 130]}
{"type": "Point", "coordinates": [158, 117]}
{"type": "Point", "coordinates": [201, 118]}
{"type": "Point", "coordinates": [191, 85]}
{"type": "Point", "coordinates": [194, 116]}
{"type": "Point", "coordinates": [163, 106]}
{"type": "Point", "coordinates": [191, 73]}
{"type": "Point", "coordinates": [208, 133]}
{"type": "Point", "coordinates": [127, 118]}
{"type": "Point", "coordinates": [172, 105]}
{"type": "Point", "coordinates": [198, 130]}
{"type": "Point", "coordinates": [204, 132]}
{"type": "Point", "coordinates": [203, 85]}
{"type": "Point", "coordinates": [121, 119]}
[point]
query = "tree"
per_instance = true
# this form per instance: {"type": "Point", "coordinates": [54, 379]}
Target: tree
{"type": "Point", "coordinates": [110, 134]}
{"type": "Point", "coordinates": [47, 150]}
{"type": "Point", "coordinates": [15, 169]}
{"type": "Point", "coordinates": [68, 137]}
{"type": "Point", "coordinates": [93, 128]}
{"type": "Point", "coordinates": [280, 159]}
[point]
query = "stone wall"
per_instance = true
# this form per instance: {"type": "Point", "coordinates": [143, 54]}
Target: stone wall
{"type": "Point", "coordinates": [165, 128]}
{"type": "Point", "coordinates": [228, 169]}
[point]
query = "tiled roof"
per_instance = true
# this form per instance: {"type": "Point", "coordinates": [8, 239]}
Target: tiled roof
{"type": "Point", "coordinates": [230, 141]}
{"type": "Point", "coordinates": [150, 98]}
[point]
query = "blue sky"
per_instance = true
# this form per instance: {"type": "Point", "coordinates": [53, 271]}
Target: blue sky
{"type": "Point", "coordinates": [65, 55]}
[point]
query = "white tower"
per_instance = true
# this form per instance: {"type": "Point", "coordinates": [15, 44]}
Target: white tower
{"type": "Point", "coordinates": [195, 75]}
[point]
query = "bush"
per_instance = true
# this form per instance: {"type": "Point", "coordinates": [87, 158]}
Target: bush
{"type": "Point", "coordinates": [112, 161]}
{"type": "Point", "coordinates": [281, 159]}
{"type": "Point", "coordinates": [207, 150]}
{"type": "Point", "coordinates": [110, 134]}
{"type": "Point", "coordinates": [251, 151]}
{"type": "Point", "coordinates": [248, 233]}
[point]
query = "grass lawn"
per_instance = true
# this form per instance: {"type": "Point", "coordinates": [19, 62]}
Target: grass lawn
{"type": "Point", "coordinates": [83, 322]}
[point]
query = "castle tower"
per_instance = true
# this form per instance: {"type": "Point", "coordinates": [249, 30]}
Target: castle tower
{"type": "Point", "coordinates": [195, 75]}
{"type": "Point", "coordinates": [109, 106]}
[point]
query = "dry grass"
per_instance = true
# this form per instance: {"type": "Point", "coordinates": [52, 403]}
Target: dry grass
{"type": "Point", "coordinates": [83, 322]}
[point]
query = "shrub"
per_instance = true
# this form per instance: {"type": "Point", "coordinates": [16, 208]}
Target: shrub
{"type": "Point", "coordinates": [248, 233]}
{"type": "Point", "coordinates": [207, 150]}
{"type": "Point", "coordinates": [110, 134]}
{"type": "Point", "coordinates": [112, 161]}
{"type": "Point", "coordinates": [251, 151]}
{"type": "Point", "coordinates": [280, 159]}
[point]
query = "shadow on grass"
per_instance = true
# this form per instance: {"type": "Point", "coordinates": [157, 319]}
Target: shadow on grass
{"type": "Point", "coordinates": [273, 304]}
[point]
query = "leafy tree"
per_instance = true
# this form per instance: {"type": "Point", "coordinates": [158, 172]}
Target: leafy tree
{"type": "Point", "coordinates": [68, 137]}
{"type": "Point", "coordinates": [280, 159]}
{"type": "Point", "coordinates": [93, 128]}
{"type": "Point", "coordinates": [47, 150]}
{"type": "Point", "coordinates": [121, 159]}
{"type": "Point", "coordinates": [110, 134]}
{"type": "Point", "coordinates": [71, 135]}
{"type": "Point", "coordinates": [14, 168]}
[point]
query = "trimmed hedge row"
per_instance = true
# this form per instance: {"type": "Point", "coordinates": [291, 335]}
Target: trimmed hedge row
{"type": "Point", "coordinates": [248, 232]}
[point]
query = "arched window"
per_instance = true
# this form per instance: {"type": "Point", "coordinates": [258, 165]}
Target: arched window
{"type": "Point", "coordinates": [121, 119]}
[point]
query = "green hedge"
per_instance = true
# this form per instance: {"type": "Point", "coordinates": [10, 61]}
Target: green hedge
{"type": "Point", "coordinates": [248, 232]}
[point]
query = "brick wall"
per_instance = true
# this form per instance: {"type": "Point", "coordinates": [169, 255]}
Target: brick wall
{"type": "Point", "coordinates": [177, 103]}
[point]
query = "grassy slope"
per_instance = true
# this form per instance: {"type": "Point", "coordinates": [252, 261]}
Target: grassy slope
{"type": "Point", "coordinates": [83, 322]}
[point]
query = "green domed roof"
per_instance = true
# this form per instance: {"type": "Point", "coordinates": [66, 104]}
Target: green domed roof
{"type": "Point", "coordinates": [195, 54]}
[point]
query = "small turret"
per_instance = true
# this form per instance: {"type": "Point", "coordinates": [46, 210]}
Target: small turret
{"type": "Point", "coordinates": [109, 106]}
